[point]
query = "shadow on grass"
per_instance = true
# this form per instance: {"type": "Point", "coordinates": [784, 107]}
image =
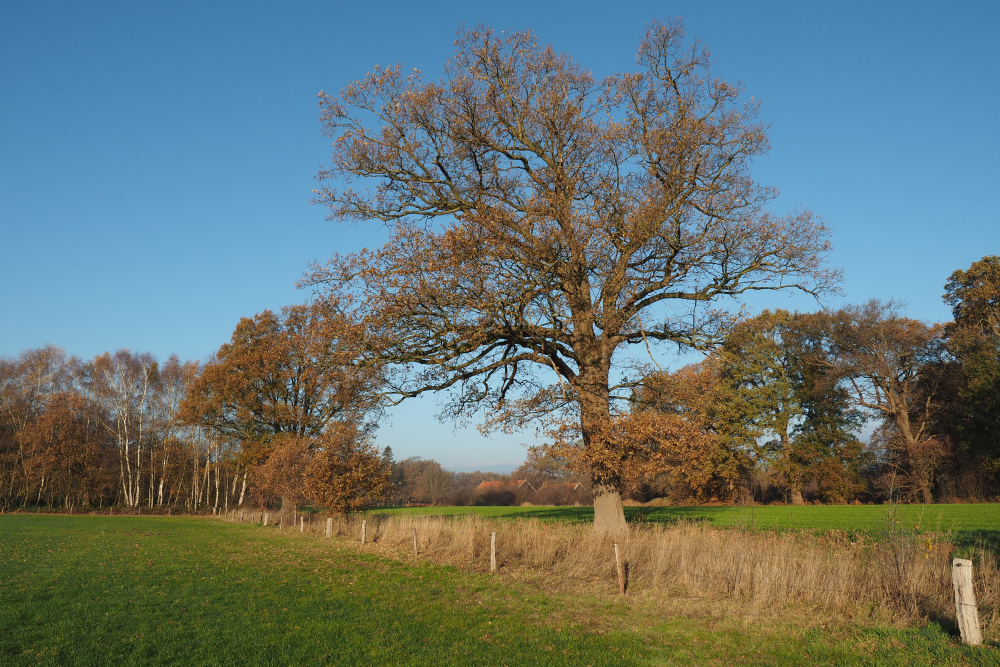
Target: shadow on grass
{"type": "Point", "coordinates": [969, 526]}
{"type": "Point", "coordinates": [967, 540]}
{"type": "Point", "coordinates": [947, 625]}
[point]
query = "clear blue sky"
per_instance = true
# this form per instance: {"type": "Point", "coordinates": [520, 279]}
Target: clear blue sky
{"type": "Point", "coordinates": [157, 159]}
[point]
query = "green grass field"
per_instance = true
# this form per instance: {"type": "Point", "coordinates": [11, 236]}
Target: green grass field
{"type": "Point", "coordinates": [162, 591]}
{"type": "Point", "coordinates": [968, 524]}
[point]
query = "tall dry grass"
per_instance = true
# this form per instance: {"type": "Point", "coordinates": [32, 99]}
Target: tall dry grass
{"type": "Point", "coordinates": [900, 577]}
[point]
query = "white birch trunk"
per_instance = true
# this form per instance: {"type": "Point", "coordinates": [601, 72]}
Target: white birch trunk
{"type": "Point", "coordinates": [244, 489]}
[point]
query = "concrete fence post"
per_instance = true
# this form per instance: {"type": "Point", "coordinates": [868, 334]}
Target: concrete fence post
{"type": "Point", "coordinates": [493, 552]}
{"type": "Point", "coordinates": [965, 602]}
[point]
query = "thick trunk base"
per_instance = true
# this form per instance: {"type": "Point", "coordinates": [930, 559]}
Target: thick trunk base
{"type": "Point", "coordinates": [925, 495]}
{"type": "Point", "coordinates": [609, 513]}
{"type": "Point", "coordinates": [287, 513]}
{"type": "Point", "coordinates": [797, 497]}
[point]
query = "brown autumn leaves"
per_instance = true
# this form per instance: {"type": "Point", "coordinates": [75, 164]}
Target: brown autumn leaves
{"type": "Point", "coordinates": [543, 221]}
{"type": "Point", "coordinates": [287, 388]}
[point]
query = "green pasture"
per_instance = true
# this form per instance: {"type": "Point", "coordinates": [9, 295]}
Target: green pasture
{"type": "Point", "coordinates": [87, 590]}
{"type": "Point", "coordinates": [967, 524]}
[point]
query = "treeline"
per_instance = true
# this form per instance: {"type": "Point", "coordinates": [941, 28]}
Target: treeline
{"type": "Point", "coordinates": [861, 404]}
{"type": "Point", "coordinates": [540, 480]}
{"type": "Point", "coordinates": [125, 429]}
{"type": "Point", "coordinates": [279, 417]}
{"type": "Point", "coordinates": [106, 431]}
{"type": "Point", "coordinates": [777, 412]}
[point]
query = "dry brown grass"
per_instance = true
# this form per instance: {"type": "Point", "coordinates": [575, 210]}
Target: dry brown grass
{"type": "Point", "coordinates": [898, 579]}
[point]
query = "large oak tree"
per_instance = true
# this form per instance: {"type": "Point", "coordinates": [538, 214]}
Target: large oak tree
{"type": "Point", "coordinates": [543, 220]}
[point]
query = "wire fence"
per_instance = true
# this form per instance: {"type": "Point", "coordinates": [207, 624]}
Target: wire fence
{"type": "Point", "coordinates": [904, 574]}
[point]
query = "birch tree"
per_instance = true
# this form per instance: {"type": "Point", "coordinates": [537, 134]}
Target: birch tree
{"type": "Point", "coordinates": [124, 382]}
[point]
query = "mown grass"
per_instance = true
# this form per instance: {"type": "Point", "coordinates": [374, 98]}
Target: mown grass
{"type": "Point", "coordinates": [968, 524]}
{"type": "Point", "coordinates": [156, 591]}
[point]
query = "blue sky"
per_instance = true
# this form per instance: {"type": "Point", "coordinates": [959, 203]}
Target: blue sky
{"type": "Point", "coordinates": [157, 159]}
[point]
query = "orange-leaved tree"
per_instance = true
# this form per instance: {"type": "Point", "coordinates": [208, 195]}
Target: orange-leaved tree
{"type": "Point", "coordinates": [346, 472]}
{"type": "Point", "coordinates": [708, 463]}
{"type": "Point", "coordinates": [282, 382]}
{"type": "Point", "coordinates": [543, 220]}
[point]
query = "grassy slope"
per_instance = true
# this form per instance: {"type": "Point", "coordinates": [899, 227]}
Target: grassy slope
{"type": "Point", "coordinates": [969, 523]}
{"type": "Point", "coordinates": [129, 590]}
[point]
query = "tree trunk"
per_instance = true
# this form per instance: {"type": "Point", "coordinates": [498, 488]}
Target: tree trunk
{"type": "Point", "coordinates": [920, 468]}
{"type": "Point", "coordinates": [216, 470]}
{"type": "Point", "coordinates": [287, 511]}
{"type": "Point", "coordinates": [791, 470]}
{"type": "Point", "coordinates": [243, 489]}
{"type": "Point", "coordinates": [609, 513]}
{"type": "Point", "coordinates": [925, 494]}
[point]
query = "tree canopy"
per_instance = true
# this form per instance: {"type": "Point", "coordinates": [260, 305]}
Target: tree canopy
{"type": "Point", "coordinates": [543, 220]}
{"type": "Point", "coordinates": [284, 390]}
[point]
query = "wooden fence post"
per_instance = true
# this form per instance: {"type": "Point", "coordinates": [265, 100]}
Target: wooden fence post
{"type": "Point", "coordinates": [362, 532]}
{"type": "Point", "coordinates": [414, 541]}
{"type": "Point", "coordinates": [965, 602]}
{"type": "Point", "coordinates": [493, 552]}
{"type": "Point", "coordinates": [329, 527]}
{"type": "Point", "coordinates": [621, 572]}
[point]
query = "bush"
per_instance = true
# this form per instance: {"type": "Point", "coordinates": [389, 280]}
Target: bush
{"type": "Point", "coordinates": [495, 498]}
{"type": "Point", "coordinates": [459, 497]}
